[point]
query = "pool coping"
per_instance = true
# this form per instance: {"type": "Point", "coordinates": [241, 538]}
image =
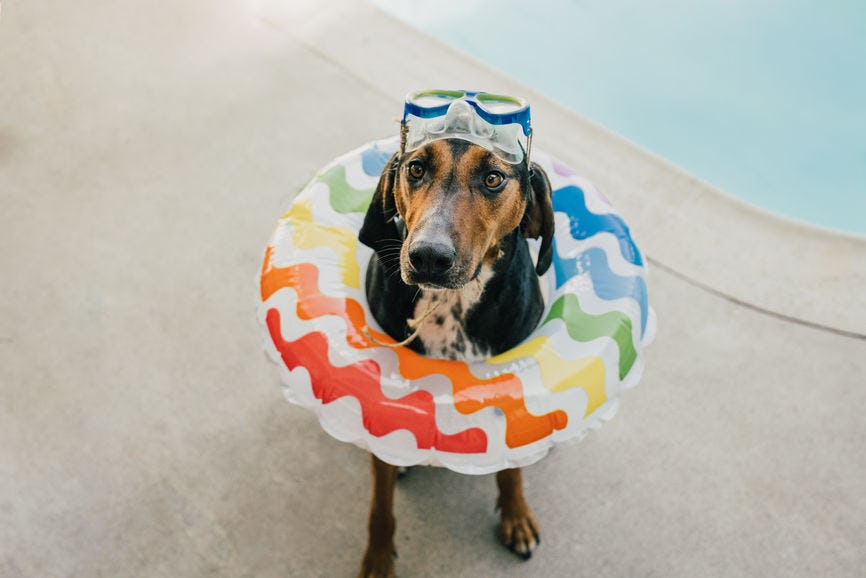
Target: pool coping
{"type": "Point", "coordinates": [805, 273]}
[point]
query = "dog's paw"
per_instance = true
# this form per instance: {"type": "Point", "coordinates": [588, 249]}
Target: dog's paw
{"type": "Point", "coordinates": [518, 531]}
{"type": "Point", "coordinates": [378, 564]}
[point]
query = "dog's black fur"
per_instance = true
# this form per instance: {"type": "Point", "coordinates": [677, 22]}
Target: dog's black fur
{"type": "Point", "coordinates": [511, 305]}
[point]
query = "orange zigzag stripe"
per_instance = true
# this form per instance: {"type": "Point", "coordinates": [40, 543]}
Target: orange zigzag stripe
{"type": "Point", "coordinates": [381, 415]}
{"type": "Point", "coordinates": [470, 393]}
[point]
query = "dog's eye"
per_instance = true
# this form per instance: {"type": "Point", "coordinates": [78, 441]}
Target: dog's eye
{"type": "Point", "coordinates": [493, 180]}
{"type": "Point", "coordinates": [416, 170]}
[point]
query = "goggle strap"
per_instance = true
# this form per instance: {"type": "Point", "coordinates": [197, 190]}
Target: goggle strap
{"type": "Point", "coordinates": [404, 132]}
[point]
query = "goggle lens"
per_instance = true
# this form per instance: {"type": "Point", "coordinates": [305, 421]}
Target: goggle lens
{"type": "Point", "coordinates": [492, 103]}
{"type": "Point", "coordinates": [498, 104]}
{"type": "Point", "coordinates": [499, 123]}
{"type": "Point", "coordinates": [434, 98]}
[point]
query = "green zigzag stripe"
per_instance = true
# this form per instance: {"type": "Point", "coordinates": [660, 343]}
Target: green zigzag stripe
{"type": "Point", "coordinates": [344, 198]}
{"type": "Point", "coordinates": [583, 326]}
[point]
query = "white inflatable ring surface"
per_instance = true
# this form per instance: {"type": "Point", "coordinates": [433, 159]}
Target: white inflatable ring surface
{"type": "Point", "coordinates": [476, 418]}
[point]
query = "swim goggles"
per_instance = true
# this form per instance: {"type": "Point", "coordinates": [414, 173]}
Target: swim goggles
{"type": "Point", "coordinates": [498, 123]}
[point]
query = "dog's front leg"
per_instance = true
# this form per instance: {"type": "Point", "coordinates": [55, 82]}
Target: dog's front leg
{"type": "Point", "coordinates": [518, 530]}
{"type": "Point", "coordinates": [379, 559]}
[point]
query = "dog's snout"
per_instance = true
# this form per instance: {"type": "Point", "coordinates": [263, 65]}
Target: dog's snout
{"type": "Point", "coordinates": [432, 258]}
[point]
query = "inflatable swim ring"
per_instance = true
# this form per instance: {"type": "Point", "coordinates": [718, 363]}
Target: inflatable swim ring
{"type": "Point", "coordinates": [475, 418]}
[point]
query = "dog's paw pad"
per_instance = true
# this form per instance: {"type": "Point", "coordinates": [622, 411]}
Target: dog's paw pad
{"type": "Point", "coordinates": [519, 533]}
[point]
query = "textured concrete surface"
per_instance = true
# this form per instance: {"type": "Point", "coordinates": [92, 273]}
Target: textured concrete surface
{"type": "Point", "coordinates": [145, 153]}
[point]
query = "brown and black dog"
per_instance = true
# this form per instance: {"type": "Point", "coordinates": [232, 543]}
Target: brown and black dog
{"type": "Point", "coordinates": [447, 224]}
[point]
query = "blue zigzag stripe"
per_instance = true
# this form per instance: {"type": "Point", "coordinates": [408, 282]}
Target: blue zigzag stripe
{"type": "Point", "coordinates": [582, 224]}
{"type": "Point", "coordinates": [373, 160]}
{"type": "Point", "coordinates": [585, 224]}
{"type": "Point", "coordinates": [607, 284]}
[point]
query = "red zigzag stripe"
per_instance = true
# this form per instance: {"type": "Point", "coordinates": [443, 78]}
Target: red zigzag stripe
{"type": "Point", "coordinates": [381, 415]}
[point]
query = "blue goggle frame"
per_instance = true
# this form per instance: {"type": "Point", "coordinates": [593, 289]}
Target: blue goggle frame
{"type": "Point", "coordinates": [478, 102]}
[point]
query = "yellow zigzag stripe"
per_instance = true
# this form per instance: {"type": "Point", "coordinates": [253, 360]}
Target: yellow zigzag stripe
{"type": "Point", "coordinates": [559, 374]}
{"type": "Point", "coordinates": [307, 234]}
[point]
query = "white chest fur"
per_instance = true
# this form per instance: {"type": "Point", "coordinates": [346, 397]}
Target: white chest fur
{"type": "Point", "coordinates": [443, 330]}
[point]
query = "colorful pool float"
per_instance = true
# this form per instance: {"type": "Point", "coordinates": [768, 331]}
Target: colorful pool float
{"type": "Point", "coordinates": [476, 418]}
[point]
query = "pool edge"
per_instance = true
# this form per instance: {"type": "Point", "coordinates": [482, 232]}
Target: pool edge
{"type": "Point", "coordinates": [803, 272]}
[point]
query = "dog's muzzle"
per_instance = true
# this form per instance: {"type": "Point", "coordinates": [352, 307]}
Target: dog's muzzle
{"type": "Point", "coordinates": [431, 262]}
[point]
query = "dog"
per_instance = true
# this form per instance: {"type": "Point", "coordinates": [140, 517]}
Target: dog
{"type": "Point", "coordinates": [451, 270]}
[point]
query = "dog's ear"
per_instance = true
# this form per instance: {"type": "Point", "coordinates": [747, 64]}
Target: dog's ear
{"type": "Point", "coordinates": [538, 217]}
{"type": "Point", "coordinates": [379, 221]}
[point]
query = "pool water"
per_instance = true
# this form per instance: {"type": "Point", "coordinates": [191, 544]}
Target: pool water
{"type": "Point", "coordinates": [764, 99]}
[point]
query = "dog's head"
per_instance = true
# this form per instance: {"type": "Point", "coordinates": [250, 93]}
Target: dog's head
{"type": "Point", "coordinates": [448, 204]}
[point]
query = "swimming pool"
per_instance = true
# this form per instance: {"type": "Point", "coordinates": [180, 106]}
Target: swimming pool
{"type": "Point", "coordinates": [763, 99]}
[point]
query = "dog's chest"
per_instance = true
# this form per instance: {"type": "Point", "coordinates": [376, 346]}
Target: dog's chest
{"type": "Point", "coordinates": [443, 331]}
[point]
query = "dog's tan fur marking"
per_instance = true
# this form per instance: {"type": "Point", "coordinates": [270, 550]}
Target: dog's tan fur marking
{"type": "Point", "coordinates": [378, 561]}
{"type": "Point", "coordinates": [454, 184]}
{"type": "Point", "coordinates": [518, 529]}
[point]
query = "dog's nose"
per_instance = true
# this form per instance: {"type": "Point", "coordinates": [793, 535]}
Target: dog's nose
{"type": "Point", "coordinates": [431, 258]}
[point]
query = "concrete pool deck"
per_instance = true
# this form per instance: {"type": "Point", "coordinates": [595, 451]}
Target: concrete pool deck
{"type": "Point", "coordinates": [145, 153]}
